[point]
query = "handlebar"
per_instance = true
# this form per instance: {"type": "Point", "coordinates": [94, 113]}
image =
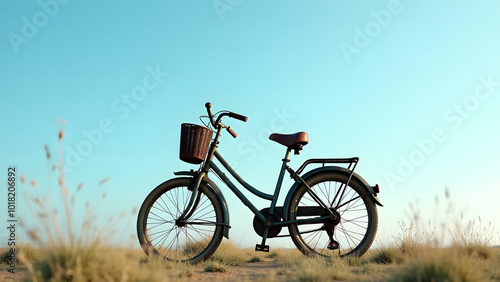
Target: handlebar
{"type": "Point", "coordinates": [210, 116]}
{"type": "Point", "coordinates": [216, 123]}
{"type": "Point", "coordinates": [237, 116]}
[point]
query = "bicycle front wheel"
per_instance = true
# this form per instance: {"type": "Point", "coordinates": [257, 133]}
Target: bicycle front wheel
{"type": "Point", "coordinates": [353, 231]}
{"type": "Point", "coordinates": [161, 232]}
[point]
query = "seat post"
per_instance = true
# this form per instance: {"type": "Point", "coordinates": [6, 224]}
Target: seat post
{"type": "Point", "coordinates": [267, 225]}
{"type": "Point", "coordinates": [281, 176]}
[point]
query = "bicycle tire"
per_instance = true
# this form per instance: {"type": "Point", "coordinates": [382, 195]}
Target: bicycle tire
{"type": "Point", "coordinates": [358, 219]}
{"type": "Point", "coordinates": [159, 232]}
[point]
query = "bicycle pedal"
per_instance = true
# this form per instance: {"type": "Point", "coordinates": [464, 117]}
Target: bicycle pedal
{"type": "Point", "coordinates": [262, 248]}
{"type": "Point", "coordinates": [333, 245]}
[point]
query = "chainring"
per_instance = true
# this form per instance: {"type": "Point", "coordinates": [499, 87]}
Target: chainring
{"type": "Point", "coordinates": [259, 226]}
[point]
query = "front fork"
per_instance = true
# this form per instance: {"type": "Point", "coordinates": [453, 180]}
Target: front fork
{"type": "Point", "coordinates": [195, 197]}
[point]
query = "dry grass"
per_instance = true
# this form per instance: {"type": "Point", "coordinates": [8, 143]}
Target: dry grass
{"type": "Point", "coordinates": [320, 269]}
{"type": "Point", "coordinates": [230, 255]}
{"type": "Point", "coordinates": [61, 254]}
{"type": "Point", "coordinates": [256, 259]}
{"type": "Point", "coordinates": [297, 267]}
{"type": "Point", "coordinates": [441, 266]}
{"type": "Point", "coordinates": [30, 253]}
{"type": "Point", "coordinates": [101, 263]}
{"type": "Point", "coordinates": [426, 257]}
{"type": "Point", "coordinates": [389, 255]}
{"type": "Point", "coordinates": [473, 239]}
{"type": "Point", "coordinates": [215, 267]}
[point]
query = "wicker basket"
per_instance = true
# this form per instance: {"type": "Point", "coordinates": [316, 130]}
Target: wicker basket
{"type": "Point", "coordinates": [195, 140]}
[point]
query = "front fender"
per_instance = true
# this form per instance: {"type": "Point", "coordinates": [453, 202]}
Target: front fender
{"type": "Point", "coordinates": [217, 191]}
{"type": "Point", "coordinates": [337, 169]}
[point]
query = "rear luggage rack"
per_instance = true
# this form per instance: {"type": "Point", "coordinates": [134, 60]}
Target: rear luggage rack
{"type": "Point", "coordinates": [349, 161]}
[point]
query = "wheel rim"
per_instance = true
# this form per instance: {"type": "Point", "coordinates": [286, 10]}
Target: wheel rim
{"type": "Point", "coordinates": [180, 240]}
{"type": "Point", "coordinates": [350, 232]}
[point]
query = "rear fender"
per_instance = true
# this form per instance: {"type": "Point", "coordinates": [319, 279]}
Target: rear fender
{"type": "Point", "coordinates": [336, 169]}
{"type": "Point", "coordinates": [217, 191]}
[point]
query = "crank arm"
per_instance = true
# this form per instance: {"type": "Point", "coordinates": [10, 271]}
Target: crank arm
{"type": "Point", "coordinates": [205, 223]}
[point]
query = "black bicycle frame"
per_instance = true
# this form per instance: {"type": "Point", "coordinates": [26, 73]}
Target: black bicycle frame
{"type": "Point", "coordinates": [210, 165]}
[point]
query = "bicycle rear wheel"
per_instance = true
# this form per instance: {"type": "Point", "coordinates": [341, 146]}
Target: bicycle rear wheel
{"type": "Point", "coordinates": [161, 232]}
{"type": "Point", "coordinates": [356, 225]}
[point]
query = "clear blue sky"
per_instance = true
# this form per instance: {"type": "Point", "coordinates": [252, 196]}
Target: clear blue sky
{"type": "Point", "coordinates": [410, 87]}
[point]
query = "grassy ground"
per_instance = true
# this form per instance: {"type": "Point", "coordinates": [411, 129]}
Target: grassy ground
{"type": "Point", "coordinates": [230, 263]}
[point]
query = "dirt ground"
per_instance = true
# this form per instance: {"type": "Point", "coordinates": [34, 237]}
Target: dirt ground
{"type": "Point", "coordinates": [5, 275]}
{"type": "Point", "coordinates": [257, 271]}
{"type": "Point", "coordinates": [246, 272]}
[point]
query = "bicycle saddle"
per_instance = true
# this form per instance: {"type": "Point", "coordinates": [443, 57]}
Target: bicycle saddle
{"type": "Point", "coordinates": [290, 140]}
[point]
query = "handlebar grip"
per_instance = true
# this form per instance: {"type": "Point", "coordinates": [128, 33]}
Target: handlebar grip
{"type": "Point", "coordinates": [210, 115]}
{"type": "Point", "coordinates": [237, 116]}
{"type": "Point", "coordinates": [231, 131]}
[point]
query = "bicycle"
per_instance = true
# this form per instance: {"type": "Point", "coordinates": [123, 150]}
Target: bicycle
{"type": "Point", "coordinates": [329, 210]}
